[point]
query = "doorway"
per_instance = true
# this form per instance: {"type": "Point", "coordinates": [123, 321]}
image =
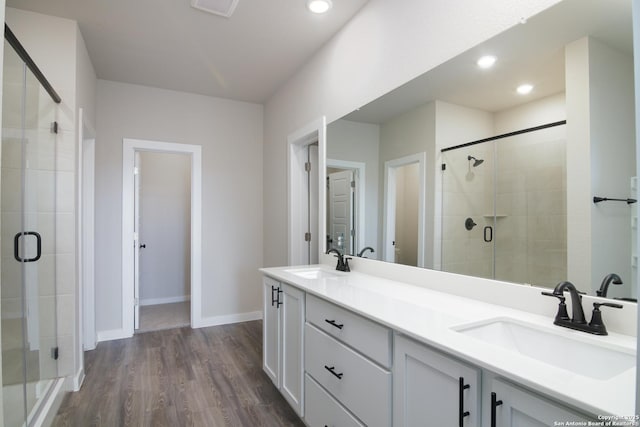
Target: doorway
{"type": "Point", "coordinates": [403, 239]}
{"type": "Point", "coordinates": [131, 301]}
{"type": "Point", "coordinates": [305, 195]}
{"type": "Point", "coordinates": [163, 221]}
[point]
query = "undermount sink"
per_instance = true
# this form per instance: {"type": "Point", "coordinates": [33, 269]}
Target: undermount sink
{"type": "Point", "coordinates": [313, 273]}
{"type": "Point", "coordinates": [580, 355]}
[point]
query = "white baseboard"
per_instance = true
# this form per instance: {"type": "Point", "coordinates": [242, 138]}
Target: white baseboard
{"type": "Point", "coordinates": [113, 334]}
{"type": "Point", "coordinates": [169, 300]}
{"type": "Point", "coordinates": [227, 319]}
{"type": "Point", "coordinates": [76, 381]}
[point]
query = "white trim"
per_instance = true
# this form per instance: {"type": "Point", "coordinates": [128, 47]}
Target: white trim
{"type": "Point", "coordinates": [77, 380]}
{"type": "Point", "coordinates": [298, 194]}
{"type": "Point", "coordinates": [49, 409]}
{"type": "Point", "coordinates": [231, 318]}
{"type": "Point", "coordinates": [361, 178]}
{"type": "Point", "coordinates": [129, 147]}
{"type": "Point", "coordinates": [389, 212]}
{"type": "Point", "coordinates": [85, 231]}
{"type": "Point", "coordinates": [112, 334]}
{"type": "Point", "coordinates": [167, 300]}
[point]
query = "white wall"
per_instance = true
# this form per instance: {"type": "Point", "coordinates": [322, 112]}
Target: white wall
{"type": "Point", "coordinates": [597, 121]}
{"type": "Point", "coordinates": [612, 163]}
{"type": "Point", "coordinates": [165, 227]}
{"type": "Point", "coordinates": [230, 134]}
{"type": "Point", "coordinates": [384, 45]}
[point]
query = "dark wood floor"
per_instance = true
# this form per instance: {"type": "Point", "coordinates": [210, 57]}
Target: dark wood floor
{"type": "Point", "coordinates": [179, 377]}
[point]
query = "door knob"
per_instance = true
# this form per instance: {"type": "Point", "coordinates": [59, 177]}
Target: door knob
{"type": "Point", "coordinates": [143, 246]}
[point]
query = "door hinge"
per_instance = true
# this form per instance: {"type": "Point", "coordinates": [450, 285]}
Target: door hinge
{"type": "Point", "coordinates": [307, 237]}
{"type": "Point", "coordinates": [307, 166]}
{"type": "Point", "coordinates": [54, 127]}
{"type": "Point", "coordinates": [353, 232]}
{"type": "Point", "coordinates": [135, 237]}
{"type": "Point", "coordinates": [444, 166]}
{"type": "Point", "coordinates": [55, 353]}
{"type": "Point", "coordinates": [136, 170]}
{"type": "Point", "coordinates": [136, 301]}
{"type": "Point", "coordinates": [353, 184]}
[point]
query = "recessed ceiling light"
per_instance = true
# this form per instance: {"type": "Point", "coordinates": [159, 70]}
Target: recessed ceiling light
{"type": "Point", "coordinates": [524, 89]}
{"type": "Point", "coordinates": [486, 61]}
{"type": "Point", "coordinates": [319, 6]}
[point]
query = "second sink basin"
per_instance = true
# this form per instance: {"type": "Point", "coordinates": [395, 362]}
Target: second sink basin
{"type": "Point", "coordinates": [313, 273]}
{"type": "Point", "coordinates": [580, 355]}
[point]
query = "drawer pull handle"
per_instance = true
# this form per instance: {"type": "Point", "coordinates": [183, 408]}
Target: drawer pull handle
{"type": "Point", "coordinates": [333, 323]}
{"type": "Point", "coordinates": [494, 404]}
{"type": "Point", "coordinates": [461, 412]}
{"type": "Point", "coordinates": [332, 370]}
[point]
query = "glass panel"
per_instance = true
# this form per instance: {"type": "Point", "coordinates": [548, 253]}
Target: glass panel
{"type": "Point", "coordinates": [468, 211]}
{"type": "Point", "coordinates": [28, 209]}
{"type": "Point", "coordinates": [40, 205]}
{"type": "Point", "coordinates": [13, 362]}
{"type": "Point", "coordinates": [531, 214]}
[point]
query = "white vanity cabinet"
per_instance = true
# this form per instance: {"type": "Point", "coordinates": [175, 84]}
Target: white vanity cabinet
{"type": "Point", "coordinates": [433, 389]}
{"type": "Point", "coordinates": [347, 364]}
{"type": "Point", "coordinates": [282, 339]}
{"type": "Point", "coordinates": [508, 405]}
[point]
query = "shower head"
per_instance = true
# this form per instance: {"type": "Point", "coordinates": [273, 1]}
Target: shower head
{"type": "Point", "coordinates": [476, 162]}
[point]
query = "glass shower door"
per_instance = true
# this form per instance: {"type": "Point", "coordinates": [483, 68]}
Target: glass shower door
{"type": "Point", "coordinates": [28, 242]}
{"type": "Point", "coordinates": [504, 208]}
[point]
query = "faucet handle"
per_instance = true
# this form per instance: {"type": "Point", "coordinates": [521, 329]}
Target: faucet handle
{"type": "Point", "coordinates": [596, 324]}
{"type": "Point", "coordinates": [562, 307]}
{"type": "Point", "coordinates": [346, 264]}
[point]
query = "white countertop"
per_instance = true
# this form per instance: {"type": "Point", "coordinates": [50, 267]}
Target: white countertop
{"type": "Point", "coordinates": [430, 316]}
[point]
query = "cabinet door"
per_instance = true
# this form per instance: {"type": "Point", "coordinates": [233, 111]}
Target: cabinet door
{"type": "Point", "coordinates": [428, 389]}
{"type": "Point", "coordinates": [292, 321]}
{"type": "Point", "coordinates": [271, 330]}
{"type": "Point", "coordinates": [519, 408]}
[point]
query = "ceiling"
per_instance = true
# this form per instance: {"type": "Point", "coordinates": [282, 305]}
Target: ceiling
{"type": "Point", "coordinates": [531, 52]}
{"type": "Point", "coordinates": [168, 44]}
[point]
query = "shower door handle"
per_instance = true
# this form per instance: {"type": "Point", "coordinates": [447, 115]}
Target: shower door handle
{"type": "Point", "coordinates": [488, 233]}
{"type": "Point", "coordinates": [16, 246]}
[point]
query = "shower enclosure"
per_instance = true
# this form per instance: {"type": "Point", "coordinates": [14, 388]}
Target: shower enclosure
{"type": "Point", "coordinates": [28, 251]}
{"type": "Point", "coordinates": [504, 207]}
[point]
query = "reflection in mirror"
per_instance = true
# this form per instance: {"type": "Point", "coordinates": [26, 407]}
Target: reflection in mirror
{"type": "Point", "coordinates": [521, 208]}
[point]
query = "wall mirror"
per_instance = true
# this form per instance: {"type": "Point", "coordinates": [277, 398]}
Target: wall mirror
{"type": "Point", "coordinates": [467, 170]}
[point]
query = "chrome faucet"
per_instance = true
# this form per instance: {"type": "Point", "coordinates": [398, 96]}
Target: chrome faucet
{"type": "Point", "coordinates": [604, 286]}
{"type": "Point", "coordinates": [367, 248]}
{"type": "Point", "coordinates": [577, 321]}
{"type": "Point", "coordinates": [343, 262]}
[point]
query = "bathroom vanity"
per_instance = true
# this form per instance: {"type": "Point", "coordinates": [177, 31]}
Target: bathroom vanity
{"type": "Point", "coordinates": [354, 349]}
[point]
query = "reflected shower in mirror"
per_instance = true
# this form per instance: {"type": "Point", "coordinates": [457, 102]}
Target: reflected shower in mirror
{"type": "Point", "coordinates": [529, 198]}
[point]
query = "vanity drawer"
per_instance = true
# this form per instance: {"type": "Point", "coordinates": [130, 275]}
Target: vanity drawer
{"type": "Point", "coordinates": [356, 382]}
{"type": "Point", "coordinates": [368, 337]}
{"type": "Point", "coordinates": [323, 410]}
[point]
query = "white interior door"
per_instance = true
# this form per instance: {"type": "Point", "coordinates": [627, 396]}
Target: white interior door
{"type": "Point", "coordinates": [136, 242]}
{"type": "Point", "coordinates": [341, 210]}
